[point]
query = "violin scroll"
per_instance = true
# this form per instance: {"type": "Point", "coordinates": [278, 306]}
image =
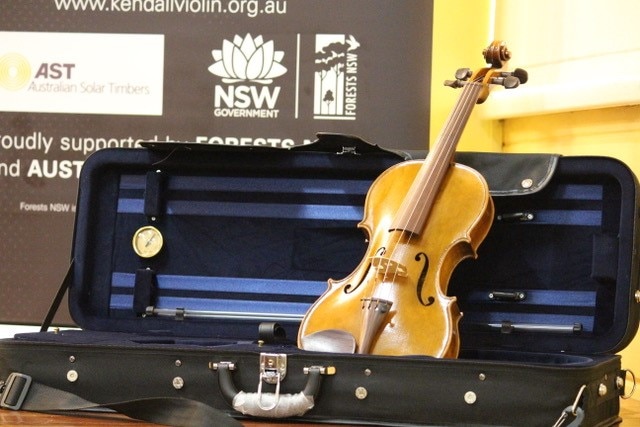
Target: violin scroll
{"type": "Point", "coordinates": [497, 54]}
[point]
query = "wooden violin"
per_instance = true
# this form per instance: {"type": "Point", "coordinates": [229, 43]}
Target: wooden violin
{"type": "Point", "coordinates": [421, 218]}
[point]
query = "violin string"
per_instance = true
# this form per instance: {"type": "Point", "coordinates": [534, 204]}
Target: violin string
{"type": "Point", "coordinates": [445, 150]}
{"type": "Point", "coordinates": [439, 161]}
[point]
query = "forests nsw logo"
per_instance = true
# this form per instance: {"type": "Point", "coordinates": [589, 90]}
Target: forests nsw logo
{"type": "Point", "coordinates": [336, 77]}
{"type": "Point", "coordinates": [247, 66]}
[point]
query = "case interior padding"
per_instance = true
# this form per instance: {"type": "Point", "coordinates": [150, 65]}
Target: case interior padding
{"type": "Point", "coordinates": [257, 235]}
{"type": "Point", "coordinates": [569, 251]}
{"type": "Point", "coordinates": [254, 235]}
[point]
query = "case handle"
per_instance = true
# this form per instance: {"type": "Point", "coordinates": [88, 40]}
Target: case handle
{"type": "Point", "coordinates": [271, 405]}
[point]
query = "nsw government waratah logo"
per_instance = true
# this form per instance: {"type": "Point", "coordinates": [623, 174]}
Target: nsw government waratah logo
{"type": "Point", "coordinates": [336, 77]}
{"type": "Point", "coordinates": [248, 66]}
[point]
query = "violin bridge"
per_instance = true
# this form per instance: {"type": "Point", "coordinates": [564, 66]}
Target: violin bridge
{"type": "Point", "coordinates": [374, 312]}
{"type": "Point", "coordinates": [388, 267]}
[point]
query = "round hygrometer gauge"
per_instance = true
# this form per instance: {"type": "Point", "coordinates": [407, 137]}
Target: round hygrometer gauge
{"type": "Point", "coordinates": [147, 241]}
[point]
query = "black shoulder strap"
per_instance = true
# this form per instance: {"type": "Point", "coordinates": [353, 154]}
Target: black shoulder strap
{"type": "Point", "coordinates": [21, 393]}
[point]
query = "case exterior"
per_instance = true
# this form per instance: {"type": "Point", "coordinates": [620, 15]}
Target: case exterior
{"type": "Point", "coordinates": [500, 390]}
{"type": "Point", "coordinates": [252, 235]}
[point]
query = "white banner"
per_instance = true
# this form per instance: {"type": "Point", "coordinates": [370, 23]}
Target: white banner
{"type": "Point", "coordinates": [81, 73]}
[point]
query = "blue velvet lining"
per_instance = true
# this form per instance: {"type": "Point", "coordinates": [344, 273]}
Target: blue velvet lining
{"type": "Point", "coordinates": [287, 198]}
{"type": "Point", "coordinates": [240, 295]}
{"type": "Point", "coordinates": [574, 217]}
{"type": "Point", "coordinates": [249, 210]}
{"type": "Point", "coordinates": [241, 244]}
{"type": "Point", "coordinates": [246, 184]}
{"type": "Point", "coordinates": [578, 192]}
{"type": "Point", "coordinates": [258, 286]}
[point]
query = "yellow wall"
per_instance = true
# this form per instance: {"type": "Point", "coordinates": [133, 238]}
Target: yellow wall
{"type": "Point", "coordinates": [460, 33]}
{"type": "Point", "coordinates": [463, 28]}
{"type": "Point", "coordinates": [611, 132]}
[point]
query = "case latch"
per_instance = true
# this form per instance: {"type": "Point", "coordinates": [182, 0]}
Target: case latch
{"type": "Point", "coordinates": [273, 367]}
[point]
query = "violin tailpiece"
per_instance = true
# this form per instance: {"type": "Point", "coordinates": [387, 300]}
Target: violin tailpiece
{"type": "Point", "coordinates": [374, 312]}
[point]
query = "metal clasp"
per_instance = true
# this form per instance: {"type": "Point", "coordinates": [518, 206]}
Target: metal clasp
{"type": "Point", "coordinates": [273, 369]}
{"type": "Point", "coordinates": [574, 410]}
{"type": "Point", "coordinates": [348, 150]}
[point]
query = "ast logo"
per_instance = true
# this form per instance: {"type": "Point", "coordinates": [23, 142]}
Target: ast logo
{"type": "Point", "coordinates": [15, 71]}
{"type": "Point", "coordinates": [81, 73]}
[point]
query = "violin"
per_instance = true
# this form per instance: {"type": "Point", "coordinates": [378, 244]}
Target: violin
{"type": "Point", "coordinates": [422, 218]}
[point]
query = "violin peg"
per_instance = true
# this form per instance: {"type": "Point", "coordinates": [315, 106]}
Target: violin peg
{"type": "Point", "coordinates": [454, 83]}
{"type": "Point", "coordinates": [463, 73]}
{"type": "Point", "coordinates": [511, 82]}
{"type": "Point", "coordinates": [521, 75]}
{"type": "Point", "coordinates": [512, 79]}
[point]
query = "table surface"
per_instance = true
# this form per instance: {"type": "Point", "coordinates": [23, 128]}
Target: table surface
{"type": "Point", "coordinates": [630, 413]}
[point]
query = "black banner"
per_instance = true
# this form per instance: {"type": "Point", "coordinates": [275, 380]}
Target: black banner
{"type": "Point", "coordinates": [77, 76]}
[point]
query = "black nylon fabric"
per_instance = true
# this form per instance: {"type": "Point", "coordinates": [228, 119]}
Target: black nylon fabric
{"type": "Point", "coordinates": [162, 410]}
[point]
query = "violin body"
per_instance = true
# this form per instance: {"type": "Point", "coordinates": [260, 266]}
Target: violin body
{"type": "Point", "coordinates": [395, 302]}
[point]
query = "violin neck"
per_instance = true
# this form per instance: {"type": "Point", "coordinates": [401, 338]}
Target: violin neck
{"type": "Point", "coordinates": [416, 206]}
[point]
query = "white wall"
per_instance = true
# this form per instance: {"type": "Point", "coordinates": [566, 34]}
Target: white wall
{"type": "Point", "coordinates": [580, 54]}
{"type": "Point", "coordinates": [8, 331]}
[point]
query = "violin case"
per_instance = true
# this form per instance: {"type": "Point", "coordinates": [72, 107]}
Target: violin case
{"type": "Point", "coordinates": [203, 332]}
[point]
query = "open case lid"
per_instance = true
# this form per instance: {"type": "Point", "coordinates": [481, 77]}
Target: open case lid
{"type": "Point", "coordinates": [251, 235]}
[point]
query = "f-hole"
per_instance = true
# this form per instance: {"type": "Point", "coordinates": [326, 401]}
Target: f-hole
{"type": "Point", "coordinates": [349, 288]}
{"type": "Point", "coordinates": [423, 274]}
